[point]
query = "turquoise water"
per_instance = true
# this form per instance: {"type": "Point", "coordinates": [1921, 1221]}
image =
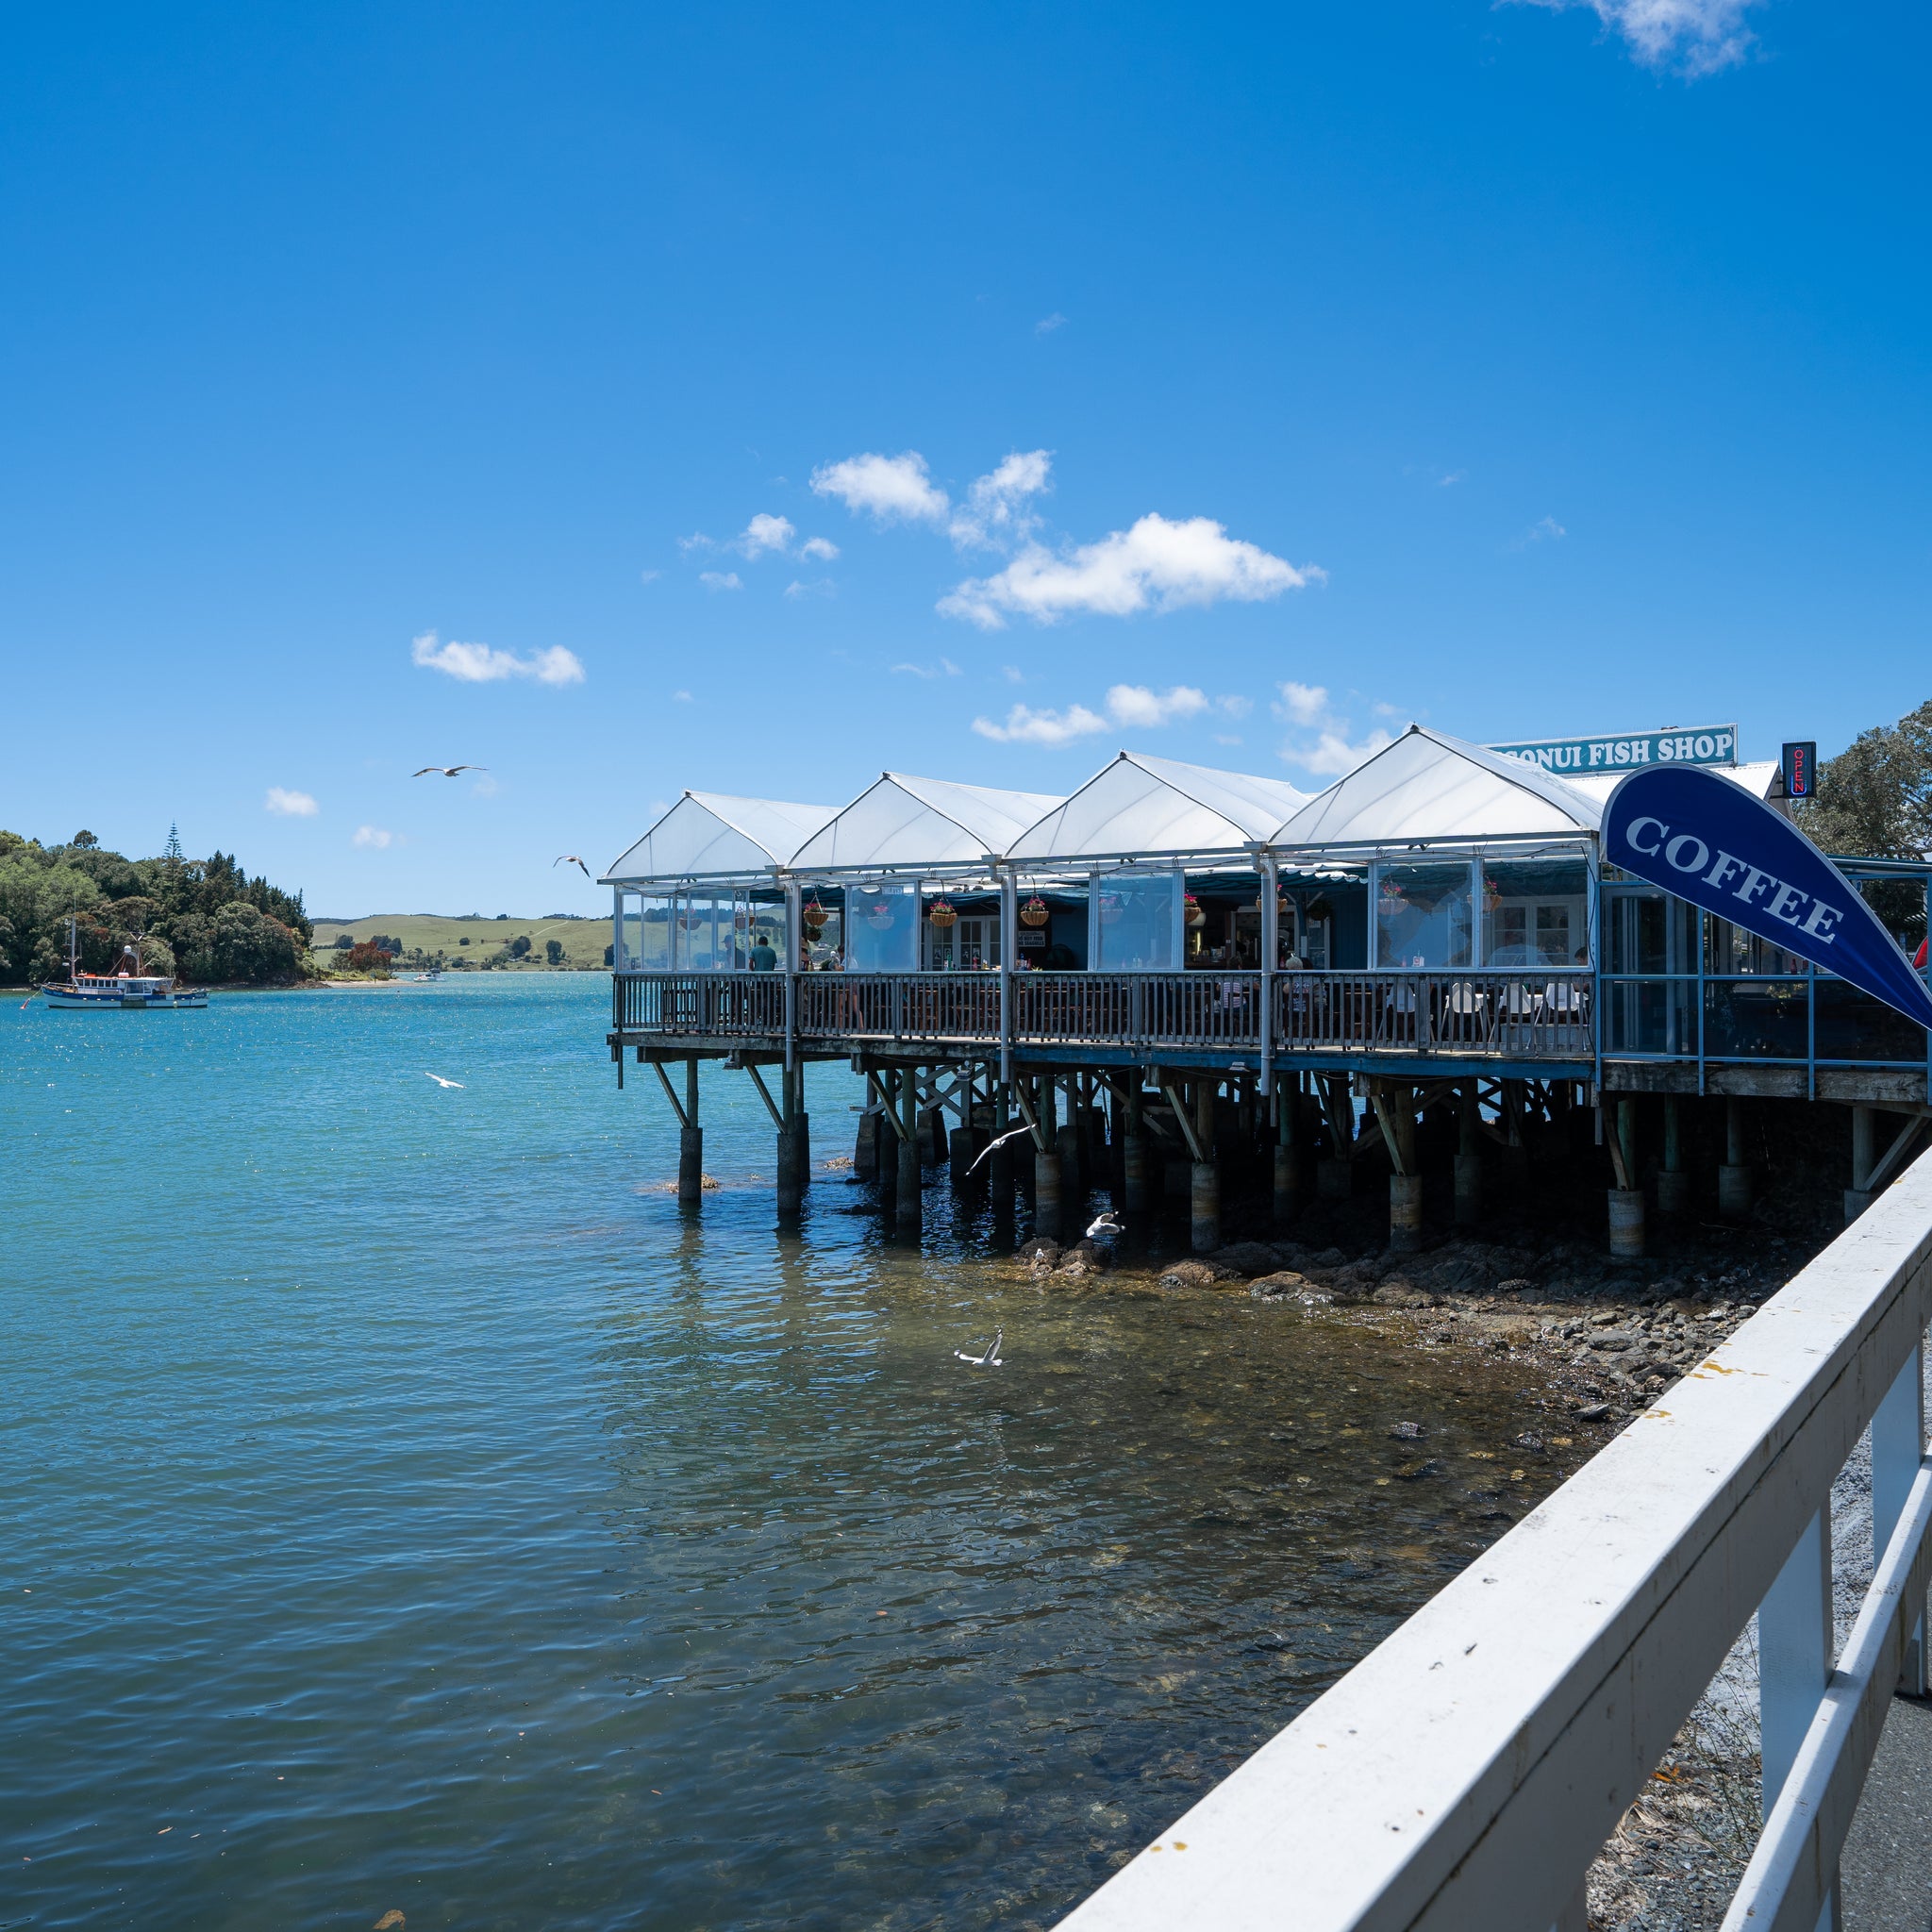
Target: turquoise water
{"type": "Point", "coordinates": [408, 1510]}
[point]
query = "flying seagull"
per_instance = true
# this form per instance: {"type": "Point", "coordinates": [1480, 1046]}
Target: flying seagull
{"type": "Point", "coordinates": [990, 1359]}
{"type": "Point", "coordinates": [1107, 1224]}
{"type": "Point", "coordinates": [1014, 1135]}
{"type": "Point", "coordinates": [441, 1082]}
{"type": "Point", "coordinates": [447, 771]}
{"type": "Point", "coordinates": [571, 858]}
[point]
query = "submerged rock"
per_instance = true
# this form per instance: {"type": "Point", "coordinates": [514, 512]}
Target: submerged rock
{"type": "Point", "coordinates": [1198, 1273]}
{"type": "Point", "coordinates": [1288, 1286]}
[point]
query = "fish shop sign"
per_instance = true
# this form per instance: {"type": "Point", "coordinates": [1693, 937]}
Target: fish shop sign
{"type": "Point", "coordinates": [1700, 744]}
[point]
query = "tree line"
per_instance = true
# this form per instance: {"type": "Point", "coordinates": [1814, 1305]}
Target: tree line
{"type": "Point", "coordinates": [203, 920]}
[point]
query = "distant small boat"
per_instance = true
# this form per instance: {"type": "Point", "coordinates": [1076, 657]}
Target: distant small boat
{"type": "Point", "coordinates": [127, 986]}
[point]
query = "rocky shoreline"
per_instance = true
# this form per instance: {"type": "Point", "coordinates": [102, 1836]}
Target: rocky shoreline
{"type": "Point", "coordinates": [1603, 1338]}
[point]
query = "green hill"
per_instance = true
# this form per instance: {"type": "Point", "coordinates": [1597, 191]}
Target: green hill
{"type": "Point", "coordinates": [472, 941]}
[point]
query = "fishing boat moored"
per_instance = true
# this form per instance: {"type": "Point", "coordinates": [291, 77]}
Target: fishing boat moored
{"type": "Point", "coordinates": [126, 986]}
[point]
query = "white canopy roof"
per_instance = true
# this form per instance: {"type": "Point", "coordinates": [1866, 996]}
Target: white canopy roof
{"type": "Point", "coordinates": [898, 822]}
{"type": "Point", "coordinates": [1145, 805]}
{"type": "Point", "coordinates": [1429, 786]}
{"type": "Point", "coordinates": [1758, 778]}
{"type": "Point", "coordinates": [710, 834]}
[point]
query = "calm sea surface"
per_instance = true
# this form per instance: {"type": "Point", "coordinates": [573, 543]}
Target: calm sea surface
{"type": "Point", "coordinates": [407, 1510]}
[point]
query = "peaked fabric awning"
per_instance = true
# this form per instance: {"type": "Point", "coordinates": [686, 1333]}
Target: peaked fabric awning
{"type": "Point", "coordinates": [899, 823]}
{"type": "Point", "coordinates": [1146, 804]}
{"type": "Point", "coordinates": [1428, 786]}
{"type": "Point", "coordinates": [1759, 779]}
{"type": "Point", "coordinates": [710, 834]}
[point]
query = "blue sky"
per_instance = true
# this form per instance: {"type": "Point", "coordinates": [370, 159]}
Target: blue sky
{"type": "Point", "coordinates": [1286, 372]}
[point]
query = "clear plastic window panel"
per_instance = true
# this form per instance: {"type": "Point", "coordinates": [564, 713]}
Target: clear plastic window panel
{"type": "Point", "coordinates": [1136, 921]}
{"type": "Point", "coordinates": [1535, 913]}
{"type": "Point", "coordinates": [1423, 915]}
{"type": "Point", "coordinates": [882, 928]}
{"type": "Point", "coordinates": [1650, 932]}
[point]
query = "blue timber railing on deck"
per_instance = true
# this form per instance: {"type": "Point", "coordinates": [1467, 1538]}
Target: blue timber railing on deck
{"type": "Point", "coordinates": [1543, 1015]}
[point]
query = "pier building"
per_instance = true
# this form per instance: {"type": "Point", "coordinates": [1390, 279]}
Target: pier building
{"type": "Point", "coordinates": [1183, 979]}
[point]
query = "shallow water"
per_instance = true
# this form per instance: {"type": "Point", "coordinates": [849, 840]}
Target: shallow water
{"type": "Point", "coordinates": [409, 1510]}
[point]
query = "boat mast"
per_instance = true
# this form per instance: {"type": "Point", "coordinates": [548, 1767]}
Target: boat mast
{"type": "Point", "coordinates": [73, 953]}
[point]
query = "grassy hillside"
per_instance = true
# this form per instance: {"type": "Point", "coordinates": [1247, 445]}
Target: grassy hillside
{"type": "Point", "coordinates": [472, 940]}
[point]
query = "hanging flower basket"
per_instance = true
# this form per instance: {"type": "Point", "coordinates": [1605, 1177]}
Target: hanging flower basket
{"type": "Point", "coordinates": [1319, 910]}
{"type": "Point", "coordinates": [1111, 907]}
{"type": "Point", "coordinates": [941, 912]}
{"type": "Point", "coordinates": [1191, 906]}
{"type": "Point", "coordinates": [1283, 905]}
{"type": "Point", "coordinates": [813, 916]}
{"type": "Point", "coordinates": [879, 916]}
{"type": "Point", "coordinates": [1034, 912]}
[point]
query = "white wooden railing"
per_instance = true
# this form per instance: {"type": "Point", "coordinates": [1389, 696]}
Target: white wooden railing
{"type": "Point", "coordinates": [1467, 1772]}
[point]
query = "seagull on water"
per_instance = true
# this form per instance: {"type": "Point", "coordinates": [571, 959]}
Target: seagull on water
{"type": "Point", "coordinates": [447, 771]}
{"type": "Point", "coordinates": [1107, 1224]}
{"type": "Point", "coordinates": [441, 1082]}
{"type": "Point", "coordinates": [1014, 1135]}
{"type": "Point", "coordinates": [990, 1359]}
{"type": "Point", "coordinates": [571, 858]}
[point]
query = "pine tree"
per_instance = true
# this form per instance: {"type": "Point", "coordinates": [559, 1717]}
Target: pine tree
{"type": "Point", "coordinates": [172, 852]}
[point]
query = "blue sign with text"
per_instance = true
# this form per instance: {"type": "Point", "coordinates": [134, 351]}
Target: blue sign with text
{"type": "Point", "coordinates": [1710, 842]}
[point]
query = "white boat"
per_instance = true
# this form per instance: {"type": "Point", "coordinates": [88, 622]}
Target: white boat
{"type": "Point", "coordinates": [127, 986]}
{"type": "Point", "coordinates": [121, 990]}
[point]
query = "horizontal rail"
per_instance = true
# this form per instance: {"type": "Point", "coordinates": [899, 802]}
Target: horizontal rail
{"type": "Point", "coordinates": [1510, 1016]}
{"type": "Point", "coordinates": [1467, 1772]}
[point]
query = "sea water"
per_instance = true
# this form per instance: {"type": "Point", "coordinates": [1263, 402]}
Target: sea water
{"type": "Point", "coordinates": [408, 1507]}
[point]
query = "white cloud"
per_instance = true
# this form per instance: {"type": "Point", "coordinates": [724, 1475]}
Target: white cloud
{"type": "Point", "coordinates": [821, 548]}
{"type": "Point", "coordinates": [481, 664]}
{"type": "Point", "coordinates": [696, 540]}
{"type": "Point", "coordinates": [680, 697]}
{"type": "Point", "coordinates": [1024, 725]}
{"type": "Point", "coordinates": [1332, 755]}
{"type": "Point", "coordinates": [1331, 751]}
{"type": "Point", "coordinates": [822, 587]}
{"type": "Point", "coordinates": [372, 839]}
{"type": "Point", "coordinates": [1544, 530]}
{"type": "Point", "coordinates": [1688, 36]}
{"type": "Point", "coordinates": [994, 511]}
{"type": "Point", "coordinates": [1222, 738]}
{"type": "Point", "coordinates": [764, 533]}
{"type": "Point", "coordinates": [1302, 704]}
{"type": "Point", "coordinates": [290, 805]}
{"type": "Point", "coordinates": [1047, 324]}
{"type": "Point", "coordinates": [1234, 707]}
{"type": "Point", "coordinates": [890, 489]}
{"type": "Point", "coordinates": [1454, 477]}
{"type": "Point", "coordinates": [1139, 708]}
{"type": "Point", "coordinates": [1012, 673]}
{"type": "Point", "coordinates": [649, 576]}
{"type": "Point", "coordinates": [1159, 564]}
{"type": "Point", "coordinates": [721, 580]}
{"type": "Point", "coordinates": [944, 668]}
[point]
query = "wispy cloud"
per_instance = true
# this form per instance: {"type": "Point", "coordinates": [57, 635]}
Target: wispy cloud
{"type": "Point", "coordinates": [1693, 38]}
{"type": "Point", "coordinates": [821, 587]}
{"type": "Point", "coordinates": [888, 488]}
{"type": "Point", "coordinates": [1450, 481]}
{"type": "Point", "coordinates": [290, 805]}
{"type": "Point", "coordinates": [1332, 750]}
{"type": "Point", "coordinates": [372, 839]}
{"type": "Point", "coordinates": [1544, 530]}
{"type": "Point", "coordinates": [721, 580]}
{"type": "Point", "coordinates": [944, 668]}
{"type": "Point", "coordinates": [1024, 725]}
{"type": "Point", "coordinates": [649, 576]}
{"type": "Point", "coordinates": [1128, 707]}
{"type": "Point", "coordinates": [680, 697]}
{"type": "Point", "coordinates": [1139, 708]}
{"type": "Point", "coordinates": [995, 511]}
{"type": "Point", "coordinates": [820, 548]}
{"type": "Point", "coordinates": [1156, 565]}
{"type": "Point", "coordinates": [1047, 324]}
{"type": "Point", "coordinates": [482, 664]}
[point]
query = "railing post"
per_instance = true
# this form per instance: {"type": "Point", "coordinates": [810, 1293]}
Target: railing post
{"type": "Point", "coordinates": [1794, 1642]}
{"type": "Point", "coordinates": [1898, 1444]}
{"type": "Point", "coordinates": [1271, 946]}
